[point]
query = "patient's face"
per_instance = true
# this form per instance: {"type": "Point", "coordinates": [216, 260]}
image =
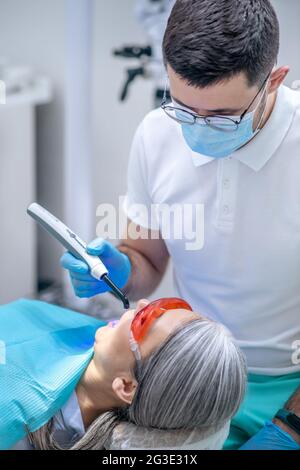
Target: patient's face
{"type": "Point", "coordinates": [113, 355]}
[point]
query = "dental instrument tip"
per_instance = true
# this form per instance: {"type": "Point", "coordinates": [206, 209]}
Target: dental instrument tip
{"type": "Point", "coordinates": [117, 291]}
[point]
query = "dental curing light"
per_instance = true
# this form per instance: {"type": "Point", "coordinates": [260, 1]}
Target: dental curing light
{"type": "Point", "coordinates": [75, 246]}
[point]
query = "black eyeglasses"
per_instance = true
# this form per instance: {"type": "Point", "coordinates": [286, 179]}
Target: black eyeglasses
{"type": "Point", "coordinates": [222, 123]}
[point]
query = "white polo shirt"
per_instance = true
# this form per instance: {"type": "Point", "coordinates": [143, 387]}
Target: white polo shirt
{"type": "Point", "coordinates": [247, 274]}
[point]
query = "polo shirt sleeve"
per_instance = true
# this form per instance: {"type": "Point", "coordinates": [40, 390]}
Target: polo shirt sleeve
{"type": "Point", "coordinates": [137, 203]}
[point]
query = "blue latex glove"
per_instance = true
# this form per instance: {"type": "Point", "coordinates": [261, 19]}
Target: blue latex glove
{"type": "Point", "coordinates": [271, 437]}
{"type": "Point", "coordinates": [117, 264]}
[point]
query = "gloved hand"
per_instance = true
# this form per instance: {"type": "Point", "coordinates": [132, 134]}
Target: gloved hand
{"type": "Point", "coordinates": [117, 264]}
{"type": "Point", "coordinates": [271, 437]}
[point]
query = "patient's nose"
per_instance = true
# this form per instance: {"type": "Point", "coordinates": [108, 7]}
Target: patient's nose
{"type": "Point", "coordinates": [141, 304]}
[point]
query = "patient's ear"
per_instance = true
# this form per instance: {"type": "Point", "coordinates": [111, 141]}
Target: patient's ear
{"type": "Point", "coordinates": [124, 388]}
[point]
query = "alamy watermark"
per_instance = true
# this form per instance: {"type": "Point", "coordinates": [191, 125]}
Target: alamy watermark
{"type": "Point", "coordinates": [171, 222]}
{"type": "Point", "coordinates": [296, 85]}
{"type": "Point", "coordinates": [296, 353]}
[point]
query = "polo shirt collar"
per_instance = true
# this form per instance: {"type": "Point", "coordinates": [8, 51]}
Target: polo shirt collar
{"type": "Point", "coordinates": [259, 150]}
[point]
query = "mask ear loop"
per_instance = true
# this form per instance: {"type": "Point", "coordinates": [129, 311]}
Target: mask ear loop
{"type": "Point", "coordinates": [136, 352]}
{"type": "Point", "coordinates": [258, 128]}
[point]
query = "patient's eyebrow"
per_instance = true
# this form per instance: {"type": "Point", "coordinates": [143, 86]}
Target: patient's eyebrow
{"type": "Point", "coordinates": [215, 111]}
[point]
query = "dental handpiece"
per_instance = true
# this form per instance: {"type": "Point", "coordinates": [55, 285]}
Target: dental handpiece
{"type": "Point", "coordinates": [75, 246]}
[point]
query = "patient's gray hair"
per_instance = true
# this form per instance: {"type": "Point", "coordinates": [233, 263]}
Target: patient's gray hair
{"type": "Point", "coordinates": [195, 379]}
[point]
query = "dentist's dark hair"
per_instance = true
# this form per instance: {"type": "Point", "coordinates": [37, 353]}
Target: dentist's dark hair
{"type": "Point", "coordinates": [210, 41]}
{"type": "Point", "coordinates": [194, 381]}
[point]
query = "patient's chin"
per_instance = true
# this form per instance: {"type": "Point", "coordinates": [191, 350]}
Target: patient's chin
{"type": "Point", "coordinates": [99, 334]}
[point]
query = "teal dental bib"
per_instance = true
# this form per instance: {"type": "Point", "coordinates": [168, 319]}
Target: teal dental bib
{"type": "Point", "coordinates": [45, 350]}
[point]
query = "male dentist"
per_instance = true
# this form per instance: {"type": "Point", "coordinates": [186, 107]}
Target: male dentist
{"type": "Point", "coordinates": [228, 139]}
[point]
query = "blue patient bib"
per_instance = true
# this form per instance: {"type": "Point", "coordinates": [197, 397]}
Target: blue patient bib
{"type": "Point", "coordinates": [45, 351]}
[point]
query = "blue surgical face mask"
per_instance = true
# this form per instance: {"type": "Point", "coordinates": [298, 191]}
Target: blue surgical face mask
{"type": "Point", "coordinates": [216, 143]}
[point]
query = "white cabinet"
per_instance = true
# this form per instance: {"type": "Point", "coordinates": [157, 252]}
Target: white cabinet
{"type": "Point", "coordinates": [17, 191]}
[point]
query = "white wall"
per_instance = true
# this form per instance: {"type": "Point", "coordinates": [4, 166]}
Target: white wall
{"type": "Point", "coordinates": [78, 158]}
{"type": "Point", "coordinates": [115, 122]}
{"type": "Point", "coordinates": [54, 37]}
{"type": "Point", "coordinates": [32, 32]}
{"type": "Point", "coordinates": [289, 17]}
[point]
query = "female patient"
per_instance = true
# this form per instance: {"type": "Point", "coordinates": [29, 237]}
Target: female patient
{"type": "Point", "coordinates": [161, 366]}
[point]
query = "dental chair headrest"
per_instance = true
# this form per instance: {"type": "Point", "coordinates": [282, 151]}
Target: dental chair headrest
{"type": "Point", "coordinates": [129, 436]}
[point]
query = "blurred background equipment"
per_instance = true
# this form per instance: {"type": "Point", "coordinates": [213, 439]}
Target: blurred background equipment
{"type": "Point", "coordinates": [152, 16]}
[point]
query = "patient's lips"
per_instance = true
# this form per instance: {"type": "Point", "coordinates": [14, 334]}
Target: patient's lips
{"type": "Point", "coordinates": [113, 323]}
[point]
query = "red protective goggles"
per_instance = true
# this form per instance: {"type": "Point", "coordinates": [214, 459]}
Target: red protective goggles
{"type": "Point", "coordinates": [145, 317]}
{"type": "Point", "coordinates": [148, 314]}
